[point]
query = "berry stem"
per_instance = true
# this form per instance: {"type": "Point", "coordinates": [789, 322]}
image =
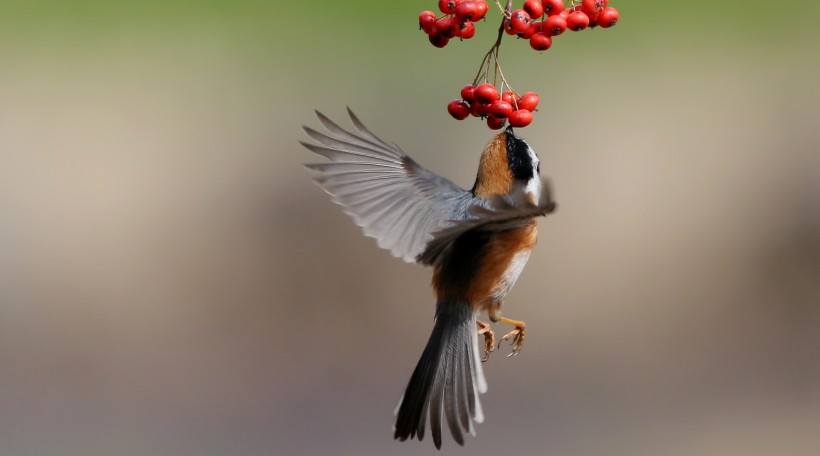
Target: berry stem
{"type": "Point", "coordinates": [492, 54]}
{"type": "Point", "coordinates": [506, 11]}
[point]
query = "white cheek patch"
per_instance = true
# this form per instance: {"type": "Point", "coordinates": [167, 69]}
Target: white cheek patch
{"type": "Point", "coordinates": [534, 184]}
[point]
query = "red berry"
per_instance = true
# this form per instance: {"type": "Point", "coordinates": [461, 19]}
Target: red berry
{"type": "Point", "coordinates": [553, 7]}
{"type": "Point", "coordinates": [479, 109]}
{"type": "Point", "coordinates": [458, 109]}
{"type": "Point", "coordinates": [510, 97]}
{"type": "Point", "coordinates": [447, 27]}
{"type": "Point", "coordinates": [447, 6]}
{"type": "Point", "coordinates": [486, 93]}
{"type": "Point", "coordinates": [555, 25]}
{"type": "Point", "coordinates": [520, 20]}
{"type": "Point", "coordinates": [608, 17]}
{"type": "Point", "coordinates": [467, 30]}
{"type": "Point", "coordinates": [438, 40]}
{"type": "Point", "coordinates": [495, 123]}
{"type": "Point", "coordinates": [520, 118]}
{"type": "Point", "coordinates": [577, 21]}
{"type": "Point", "coordinates": [427, 21]}
{"type": "Point", "coordinates": [508, 27]}
{"type": "Point", "coordinates": [565, 13]}
{"type": "Point", "coordinates": [534, 8]}
{"type": "Point", "coordinates": [592, 7]}
{"type": "Point", "coordinates": [481, 7]}
{"type": "Point", "coordinates": [529, 101]}
{"type": "Point", "coordinates": [526, 34]}
{"type": "Point", "coordinates": [466, 11]}
{"type": "Point", "coordinates": [540, 41]}
{"type": "Point", "coordinates": [501, 109]}
{"type": "Point", "coordinates": [468, 93]}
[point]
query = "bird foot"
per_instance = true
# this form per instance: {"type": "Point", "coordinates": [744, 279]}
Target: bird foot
{"type": "Point", "coordinates": [516, 338]}
{"type": "Point", "coordinates": [489, 338]}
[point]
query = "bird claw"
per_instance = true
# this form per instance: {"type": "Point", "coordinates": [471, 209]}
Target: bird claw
{"type": "Point", "coordinates": [516, 338]}
{"type": "Point", "coordinates": [489, 338]}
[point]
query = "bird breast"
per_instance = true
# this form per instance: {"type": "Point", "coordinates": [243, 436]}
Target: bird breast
{"type": "Point", "coordinates": [505, 256]}
{"type": "Point", "coordinates": [482, 267]}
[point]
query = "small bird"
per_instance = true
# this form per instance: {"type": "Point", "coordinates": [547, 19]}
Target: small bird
{"type": "Point", "coordinates": [477, 242]}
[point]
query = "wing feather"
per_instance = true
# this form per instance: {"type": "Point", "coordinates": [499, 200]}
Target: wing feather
{"type": "Point", "coordinates": [394, 200]}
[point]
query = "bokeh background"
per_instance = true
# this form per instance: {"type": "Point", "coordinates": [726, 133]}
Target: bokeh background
{"type": "Point", "coordinates": [171, 282]}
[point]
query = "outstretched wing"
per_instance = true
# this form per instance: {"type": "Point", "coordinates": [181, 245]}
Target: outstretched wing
{"type": "Point", "coordinates": [393, 199]}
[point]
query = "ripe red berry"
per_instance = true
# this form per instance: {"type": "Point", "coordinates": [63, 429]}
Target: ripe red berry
{"type": "Point", "coordinates": [479, 109]}
{"type": "Point", "coordinates": [427, 21]}
{"type": "Point", "coordinates": [534, 8]}
{"type": "Point", "coordinates": [467, 30]}
{"type": "Point", "coordinates": [608, 17]}
{"type": "Point", "coordinates": [526, 34]}
{"type": "Point", "coordinates": [577, 21]}
{"type": "Point", "coordinates": [468, 93]}
{"type": "Point", "coordinates": [501, 109]}
{"type": "Point", "coordinates": [555, 25]}
{"type": "Point", "coordinates": [592, 7]}
{"type": "Point", "coordinates": [447, 27]}
{"type": "Point", "coordinates": [565, 13]}
{"type": "Point", "coordinates": [553, 7]}
{"type": "Point", "coordinates": [438, 40]}
{"type": "Point", "coordinates": [528, 101]}
{"type": "Point", "coordinates": [486, 93]}
{"type": "Point", "coordinates": [520, 118]}
{"type": "Point", "coordinates": [495, 123]}
{"type": "Point", "coordinates": [447, 6]}
{"type": "Point", "coordinates": [481, 9]}
{"type": "Point", "coordinates": [458, 109]}
{"type": "Point", "coordinates": [508, 27]}
{"type": "Point", "coordinates": [466, 11]}
{"type": "Point", "coordinates": [520, 20]}
{"type": "Point", "coordinates": [540, 41]}
{"type": "Point", "coordinates": [510, 97]}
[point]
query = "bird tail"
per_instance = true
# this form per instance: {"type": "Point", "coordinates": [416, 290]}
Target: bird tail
{"type": "Point", "coordinates": [447, 380]}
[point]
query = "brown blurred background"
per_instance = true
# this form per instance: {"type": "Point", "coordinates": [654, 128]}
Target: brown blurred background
{"type": "Point", "coordinates": [171, 282]}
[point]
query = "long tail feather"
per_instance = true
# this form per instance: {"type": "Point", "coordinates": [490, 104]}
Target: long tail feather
{"type": "Point", "coordinates": [447, 380]}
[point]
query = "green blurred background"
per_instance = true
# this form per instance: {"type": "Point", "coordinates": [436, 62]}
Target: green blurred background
{"type": "Point", "coordinates": [171, 282]}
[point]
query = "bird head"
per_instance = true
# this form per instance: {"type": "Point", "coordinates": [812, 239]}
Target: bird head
{"type": "Point", "coordinates": [508, 164]}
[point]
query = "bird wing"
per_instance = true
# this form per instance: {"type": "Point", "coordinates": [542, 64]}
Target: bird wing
{"type": "Point", "coordinates": [394, 199]}
{"type": "Point", "coordinates": [499, 213]}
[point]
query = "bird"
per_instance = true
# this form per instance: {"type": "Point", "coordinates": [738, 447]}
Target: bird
{"type": "Point", "coordinates": [477, 242]}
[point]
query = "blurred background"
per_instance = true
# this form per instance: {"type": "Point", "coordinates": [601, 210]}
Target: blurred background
{"type": "Point", "coordinates": [172, 283]}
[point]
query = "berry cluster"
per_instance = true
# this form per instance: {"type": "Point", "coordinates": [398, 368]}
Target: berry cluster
{"type": "Point", "coordinates": [484, 101]}
{"type": "Point", "coordinates": [555, 19]}
{"type": "Point", "coordinates": [457, 21]}
{"type": "Point", "coordinates": [537, 21]}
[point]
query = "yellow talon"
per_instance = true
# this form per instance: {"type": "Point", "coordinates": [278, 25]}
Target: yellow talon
{"type": "Point", "coordinates": [489, 338]}
{"type": "Point", "coordinates": [516, 336]}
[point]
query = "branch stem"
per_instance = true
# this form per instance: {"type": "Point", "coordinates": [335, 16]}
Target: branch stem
{"type": "Point", "coordinates": [492, 55]}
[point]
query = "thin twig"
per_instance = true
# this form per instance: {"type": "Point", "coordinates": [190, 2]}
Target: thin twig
{"type": "Point", "coordinates": [492, 54]}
